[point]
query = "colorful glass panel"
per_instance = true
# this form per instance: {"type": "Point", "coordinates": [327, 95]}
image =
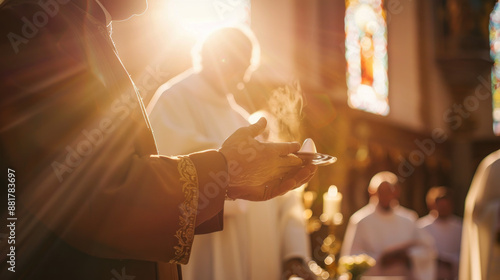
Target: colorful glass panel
{"type": "Point", "coordinates": [495, 73]}
{"type": "Point", "coordinates": [366, 56]}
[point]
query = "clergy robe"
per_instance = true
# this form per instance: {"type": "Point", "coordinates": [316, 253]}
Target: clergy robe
{"type": "Point", "coordinates": [396, 207]}
{"type": "Point", "coordinates": [447, 235]}
{"type": "Point", "coordinates": [372, 231]}
{"type": "Point", "coordinates": [257, 236]}
{"type": "Point", "coordinates": [405, 212]}
{"type": "Point", "coordinates": [93, 199]}
{"type": "Point", "coordinates": [480, 254]}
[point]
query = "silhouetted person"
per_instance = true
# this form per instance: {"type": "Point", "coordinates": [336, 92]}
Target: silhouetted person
{"type": "Point", "coordinates": [480, 253]}
{"type": "Point", "coordinates": [196, 110]}
{"type": "Point", "coordinates": [93, 198]}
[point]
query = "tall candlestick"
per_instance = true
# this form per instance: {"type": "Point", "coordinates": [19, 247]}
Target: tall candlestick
{"type": "Point", "coordinates": [331, 202]}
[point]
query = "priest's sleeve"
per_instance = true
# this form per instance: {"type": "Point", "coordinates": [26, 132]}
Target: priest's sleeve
{"type": "Point", "coordinates": [74, 131]}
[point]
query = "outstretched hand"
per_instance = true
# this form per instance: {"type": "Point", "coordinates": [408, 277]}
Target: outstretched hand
{"type": "Point", "coordinates": [260, 171]}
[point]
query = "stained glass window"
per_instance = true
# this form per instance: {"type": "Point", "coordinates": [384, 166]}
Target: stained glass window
{"type": "Point", "coordinates": [495, 73]}
{"type": "Point", "coordinates": [366, 55]}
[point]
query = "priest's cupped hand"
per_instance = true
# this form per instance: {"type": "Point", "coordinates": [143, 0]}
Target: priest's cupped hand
{"type": "Point", "coordinates": [262, 170]}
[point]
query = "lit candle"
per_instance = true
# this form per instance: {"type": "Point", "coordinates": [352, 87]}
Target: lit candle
{"type": "Point", "coordinates": [331, 202]}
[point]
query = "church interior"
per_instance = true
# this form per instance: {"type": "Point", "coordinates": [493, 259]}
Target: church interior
{"type": "Point", "coordinates": [429, 113]}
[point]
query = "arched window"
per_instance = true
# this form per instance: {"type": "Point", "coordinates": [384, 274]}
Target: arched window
{"type": "Point", "coordinates": [495, 73]}
{"type": "Point", "coordinates": [366, 56]}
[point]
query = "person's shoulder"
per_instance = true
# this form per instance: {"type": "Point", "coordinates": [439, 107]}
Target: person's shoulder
{"type": "Point", "coordinates": [362, 214]}
{"type": "Point", "coordinates": [494, 157]}
{"type": "Point", "coordinates": [172, 90]}
{"type": "Point", "coordinates": [406, 212]}
{"type": "Point", "coordinates": [484, 185]}
{"type": "Point", "coordinates": [179, 82]}
{"type": "Point", "coordinates": [425, 221]}
{"type": "Point", "coordinates": [491, 162]}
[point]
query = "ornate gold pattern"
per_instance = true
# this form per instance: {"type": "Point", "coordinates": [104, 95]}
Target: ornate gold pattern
{"type": "Point", "coordinates": [188, 209]}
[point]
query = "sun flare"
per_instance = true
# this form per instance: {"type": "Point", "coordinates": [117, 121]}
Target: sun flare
{"type": "Point", "coordinates": [200, 17]}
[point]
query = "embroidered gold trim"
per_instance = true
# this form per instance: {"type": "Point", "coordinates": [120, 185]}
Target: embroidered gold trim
{"type": "Point", "coordinates": [188, 209]}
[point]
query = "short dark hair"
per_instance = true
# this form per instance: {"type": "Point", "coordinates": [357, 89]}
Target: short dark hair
{"type": "Point", "coordinates": [379, 178]}
{"type": "Point", "coordinates": [435, 193]}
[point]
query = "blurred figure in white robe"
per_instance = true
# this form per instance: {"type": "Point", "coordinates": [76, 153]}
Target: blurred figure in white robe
{"type": "Point", "coordinates": [391, 238]}
{"type": "Point", "coordinates": [196, 111]}
{"type": "Point", "coordinates": [445, 228]}
{"type": "Point", "coordinates": [480, 257]}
